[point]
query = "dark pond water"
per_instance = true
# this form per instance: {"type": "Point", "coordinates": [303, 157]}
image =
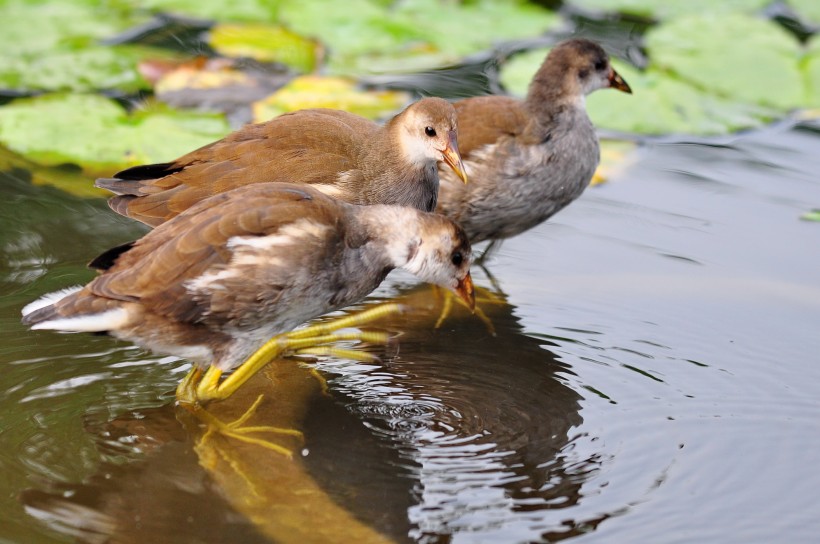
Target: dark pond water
{"type": "Point", "coordinates": [654, 377]}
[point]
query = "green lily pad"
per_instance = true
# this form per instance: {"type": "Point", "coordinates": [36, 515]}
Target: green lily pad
{"type": "Point", "coordinates": [466, 27]}
{"type": "Point", "coordinates": [267, 43]}
{"type": "Point", "coordinates": [29, 26]}
{"type": "Point", "coordinates": [808, 9]}
{"type": "Point", "coordinates": [812, 70]}
{"type": "Point", "coordinates": [84, 70]}
{"type": "Point", "coordinates": [68, 179]}
{"type": "Point", "coordinates": [235, 10]}
{"type": "Point", "coordinates": [349, 29]}
{"type": "Point", "coordinates": [740, 72]}
{"type": "Point", "coordinates": [660, 104]}
{"type": "Point", "coordinates": [655, 9]}
{"type": "Point", "coordinates": [328, 92]}
{"type": "Point", "coordinates": [813, 215]}
{"type": "Point", "coordinates": [54, 46]}
{"type": "Point", "coordinates": [734, 56]}
{"type": "Point", "coordinates": [369, 36]}
{"type": "Point", "coordinates": [97, 134]}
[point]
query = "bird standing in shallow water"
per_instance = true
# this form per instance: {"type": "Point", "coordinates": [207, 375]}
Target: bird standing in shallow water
{"type": "Point", "coordinates": [341, 154]}
{"type": "Point", "coordinates": [216, 282]}
{"type": "Point", "coordinates": [528, 159]}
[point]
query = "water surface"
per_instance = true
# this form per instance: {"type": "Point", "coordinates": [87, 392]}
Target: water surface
{"type": "Point", "coordinates": [653, 377]}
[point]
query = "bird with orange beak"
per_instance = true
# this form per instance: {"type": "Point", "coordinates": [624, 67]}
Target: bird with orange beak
{"type": "Point", "coordinates": [341, 154]}
{"type": "Point", "coordinates": [214, 284]}
{"type": "Point", "coordinates": [528, 159]}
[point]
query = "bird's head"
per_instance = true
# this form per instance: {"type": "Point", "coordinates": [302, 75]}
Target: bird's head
{"type": "Point", "coordinates": [442, 255]}
{"type": "Point", "coordinates": [429, 133]}
{"type": "Point", "coordinates": [575, 68]}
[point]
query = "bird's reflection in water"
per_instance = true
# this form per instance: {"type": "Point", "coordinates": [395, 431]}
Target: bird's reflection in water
{"type": "Point", "coordinates": [455, 431]}
{"type": "Point", "coordinates": [483, 424]}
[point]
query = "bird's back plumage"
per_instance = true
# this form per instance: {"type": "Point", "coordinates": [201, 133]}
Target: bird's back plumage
{"type": "Point", "coordinates": [240, 267]}
{"type": "Point", "coordinates": [309, 146]}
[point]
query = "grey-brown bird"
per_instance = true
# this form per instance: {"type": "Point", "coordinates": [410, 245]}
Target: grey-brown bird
{"type": "Point", "coordinates": [216, 282]}
{"type": "Point", "coordinates": [527, 159]}
{"type": "Point", "coordinates": [341, 154]}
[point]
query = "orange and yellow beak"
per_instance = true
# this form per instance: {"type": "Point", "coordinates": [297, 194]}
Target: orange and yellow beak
{"type": "Point", "coordinates": [452, 157]}
{"type": "Point", "coordinates": [466, 292]}
{"type": "Point", "coordinates": [617, 82]}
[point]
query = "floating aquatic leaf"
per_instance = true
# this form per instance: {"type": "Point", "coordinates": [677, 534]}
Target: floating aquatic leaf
{"type": "Point", "coordinates": [328, 92]}
{"type": "Point", "coordinates": [84, 70]}
{"type": "Point", "coordinates": [97, 134]}
{"type": "Point", "coordinates": [368, 36]}
{"type": "Point", "coordinates": [734, 56]}
{"type": "Point", "coordinates": [813, 215]}
{"type": "Point", "coordinates": [235, 10]}
{"type": "Point", "coordinates": [53, 46]}
{"type": "Point", "coordinates": [30, 27]}
{"type": "Point", "coordinates": [517, 72]}
{"type": "Point", "coordinates": [811, 66]}
{"type": "Point", "coordinates": [65, 178]}
{"type": "Point", "coordinates": [216, 84]}
{"type": "Point", "coordinates": [808, 9]}
{"type": "Point", "coordinates": [466, 27]}
{"type": "Point", "coordinates": [660, 104]}
{"type": "Point", "coordinates": [667, 100]}
{"type": "Point", "coordinates": [191, 76]}
{"type": "Point", "coordinates": [666, 10]}
{"type": "Point", "coordinates": [267, 43]}
{"type": "Point", "coordinates": [615, 157]}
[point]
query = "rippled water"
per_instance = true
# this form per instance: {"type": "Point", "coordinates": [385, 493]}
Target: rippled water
{"type": "Point", "coordinates": [653, 378]}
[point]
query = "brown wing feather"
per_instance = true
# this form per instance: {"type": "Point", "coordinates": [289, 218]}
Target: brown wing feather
{"type": "Point", "coordinates": [484, 119]}
{"type": "Point", "coordinates": [308, 146]}
{"type": "Point", "coordinates": [156, 269]}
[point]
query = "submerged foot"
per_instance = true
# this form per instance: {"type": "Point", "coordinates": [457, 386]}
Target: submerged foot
{"type": "Point", "coordinates": [238, 430]}
{"type": "Point", "coordinates": [200, 387]}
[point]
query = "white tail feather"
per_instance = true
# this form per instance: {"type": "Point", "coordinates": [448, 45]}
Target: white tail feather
{"type": "Point", "coordinates": [49, 299]}
{"type": "Point", "coordinates": [105, 321]}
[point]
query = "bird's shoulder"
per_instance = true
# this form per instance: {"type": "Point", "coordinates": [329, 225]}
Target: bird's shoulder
{"type": "Point", "coordinates": [482, 120]}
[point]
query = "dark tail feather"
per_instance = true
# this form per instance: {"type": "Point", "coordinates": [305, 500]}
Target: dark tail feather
{"type": "Point", "coordinates": [106, 260]}
{"type": "Point", "coordinates": [120, 186]}
{"type": "Point", "coordinates": [148, 171]}
{"type": "Point", "coordinates": [131, 180]}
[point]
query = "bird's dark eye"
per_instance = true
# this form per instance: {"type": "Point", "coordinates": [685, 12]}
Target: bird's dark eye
{"type": "Point", "coordinates": [600, 66]}
{"type": "Point", "coordinates": [430, 131]}
{"type": "Point", "coordinates": [583, 74]}
{"type": "Point", "coordinates": [457, 258]}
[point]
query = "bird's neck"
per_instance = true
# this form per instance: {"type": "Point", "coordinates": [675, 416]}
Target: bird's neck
{"type": "Point", "coordinates": [396, 173]}
{"type": "Point", "coordinates": [550, 105]}
{"type": "Point", "coordinates": [396, 229]}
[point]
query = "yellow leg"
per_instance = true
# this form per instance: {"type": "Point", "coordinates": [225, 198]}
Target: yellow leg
{"type": "Point", "coordinates": [201, 388]}
{"type": "Point", "coordinates": [489, 298]}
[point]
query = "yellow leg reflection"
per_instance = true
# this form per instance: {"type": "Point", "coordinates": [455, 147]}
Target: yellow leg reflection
{"type": "Point", "coordinates": [483, 296]}
{"type": "Point", "coordinates": [199, 387]}
{"type": "Point", "coordinates": [277, 494]}
{"type": "Point", "coordinates": [239, 431]}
